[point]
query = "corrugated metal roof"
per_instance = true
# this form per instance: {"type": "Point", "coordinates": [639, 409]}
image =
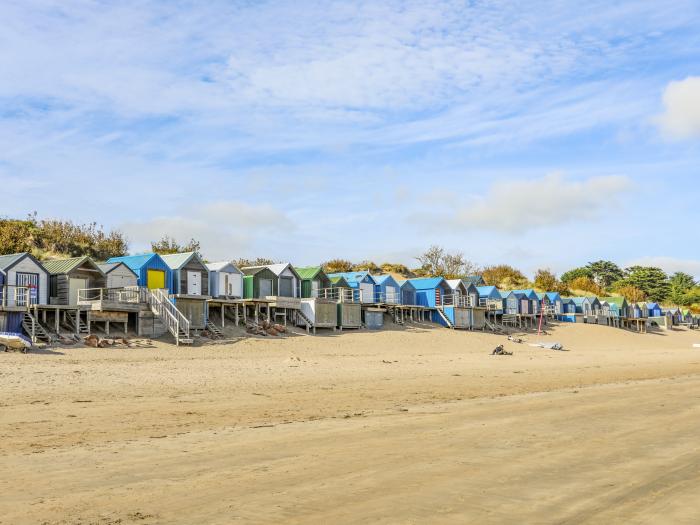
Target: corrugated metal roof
{"type": "Point", "coordinates": [134, 262]}
{"type": "Point", "coordinates": [553, 296]}
{"type": "Point", "coordinates": [276, 268]}
{"type": "Point", "coordinates": [382, 279]}
{"type": "Point", "coordinates": [338, 279]}
{"type": "Point", "coordinates": [10, 259]}
{"type": "Point", "coordinates": [422, 283]}
{"type": "Point", "coordinates": [175, 261]}
{"type": "Point", "coordinates": [108, 267]}
{"type": "Point", "coordinates": [354, 277]}
{"type": "Point", "coordinates": [223, 265]}
{"type": "Point", "coordinates": [308, 272]}
{"type": "Point", "coordinates": [57, 266]}
{"type": "Point", "coordinates": [619, 301]}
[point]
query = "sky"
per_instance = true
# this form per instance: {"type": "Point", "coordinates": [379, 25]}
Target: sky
{"type": "Point", "coordinates": [538, 134]}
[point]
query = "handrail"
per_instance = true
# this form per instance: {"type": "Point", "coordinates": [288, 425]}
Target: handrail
{"type": "Point", "coordinates": [458, 300]}
{"type": "Point", "coordinates": [340, 295]}
{"type": "Point", "coordinates": [160, 304]}
{"type": "Point", "coordinates": [13, 295]}
{"type": "Point", "coordinates": [117, 295]}
{"type": "Point", "coordinates": [387, 297]}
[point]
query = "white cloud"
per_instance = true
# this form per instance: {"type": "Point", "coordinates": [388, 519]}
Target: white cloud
{"type": "Point", "coordinates": [225, 229]}
{"type": "Point", "coordinates": [669, 264]}
{"type": "Point", "coordinates": [517, 206]}
{"type": "Point", "coordinates": [681, 118]}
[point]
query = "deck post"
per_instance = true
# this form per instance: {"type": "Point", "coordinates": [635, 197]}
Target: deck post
{"type": "Point", "coordinates": [223, 314]}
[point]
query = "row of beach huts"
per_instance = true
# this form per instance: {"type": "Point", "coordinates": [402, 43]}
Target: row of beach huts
{"type": "Point", "coordinates": [180, 294]}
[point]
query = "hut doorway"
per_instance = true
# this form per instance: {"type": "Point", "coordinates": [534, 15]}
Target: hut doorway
{"type": "Point", "coordinates": [265, 287]}
{"type": "Point", "coordinates": [31, 281]}
{"type": "Point", "coordinates": [194, 283]}
{"type": "Point", "coordinates": [286, 287]}
{"type": "Point", "coordinates": [74, 285]}
{"type": "Point", "coordinates": [155, 279]}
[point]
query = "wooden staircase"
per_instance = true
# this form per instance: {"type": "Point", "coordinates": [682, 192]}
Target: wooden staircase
{"type": "Point", "coordinates": [444, 317]}
{"type": "Point", "coordinates": [309, 324]}
{"type": "Point", "coordinates": [176, 323]}
{"type": "Point", "coordinates": [35, 330]}
{"type": "Point", "coordinates": [76, 323]}
{"type": "Point", "coordinates": [218, 334]}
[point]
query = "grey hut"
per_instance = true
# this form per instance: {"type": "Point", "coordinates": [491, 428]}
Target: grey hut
{"type": "Point", "coordinates": [119, 275]}
{"type": "Point", "coordinates": [190, 287]}
{"type": "Point", "coordinates": [68, 276]}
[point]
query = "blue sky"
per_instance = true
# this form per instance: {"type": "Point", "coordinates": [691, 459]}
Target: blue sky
{"type": "Point", "coordinates": [540, 134]}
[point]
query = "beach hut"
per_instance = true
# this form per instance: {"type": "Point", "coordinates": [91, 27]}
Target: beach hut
{"type": "Point", "coordinates": [472, 295]}
{"type": "Point", "coordinates": [387, 290]}
{"type": "Point", "coordinates": [361, 282]}
{"type": "Point", "coordinates": [408, 293]}
{"type": "Point", "coordinates": [617, 306]}
{"type": "Point", "coordinates": [674, 314]}
{"type": "Point", "coordinates": [654, 310]}
{"type": "Point", "coordinates": [259, 282]}
{"type": "Point", "coordinates": [152, 271]}
{"type": "Point", "coordinates": [190, 274]}
{"type": "Point", "coordinates": [338, 282]}
{"type": "Point", "coordinates": [595, 305]}
{"type": "Point", "coordinates": [190, 289]}
{"type": "Point", "coordinates": [532, 306]}
{"type": "Point", "coordinates": [24, 280]}
{"type": "Point", "coordinates": [490, 297]}
{"type": "Point", "coordinates": [68, 276]}
{"type": "Point", "coordinates": [458, 291]}
{"type": "Point", "coordinates": [288, 280]}
{"type": "Point", "coordinates": [688, 317]}
{"type": "Point", "coordinates": [118, 275]}
{"type": "Point", "coordinates": [638, 310]}
{"type": "Point", "coordinates": [555, 302]}
{"type": "Point", "coordinates": [430, 291]}
{"type": "Point", "coordinates": [583, 305]}
{"type": "Point", "coordinates": [511, 302]}
{"type": "Point", "coordinates": [313, 279]}
{"type": "Point", "coordinates": [225, 280]}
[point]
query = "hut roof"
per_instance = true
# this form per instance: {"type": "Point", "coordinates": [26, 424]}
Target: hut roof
{"type": "Point", "coordinates": [223, 266]}
{"type": "Point", "coordinates": [339, 280]}
{"type": "Point", "coordinates": [108, 267]}
{"type": "Point", "coordinates": [134, 262]}
{"type": "Point", "coordinates": [380, 279]}
{"type": "Point", "coordinates": [175, 261]}
{"type": "Point", "coordinates": [619, 301]}
{"type": "Point", "coordinates": [424, 283]}
{"type": "Point", "coordinates": [308, 272]}
{"type": "Point", "coordinates": [476, 280]}
{"type": "Point", "coordinates": [276, 268]}
{"type": "Point", "coordinates": [553, 296]}
{"type": "Point", "coordinates": [6, 261]}
{"type": "Point", "coordinates": [58, 266]}
{"type": "Point", "coordinates": [405, 282]}
{"type": "Point", "coordinates": [352, 277]}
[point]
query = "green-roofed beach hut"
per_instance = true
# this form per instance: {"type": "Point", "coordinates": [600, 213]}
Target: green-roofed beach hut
{"type": "Point", "coordinates": [68, 276]}
{"type": "Point", "coordinates": [313, 279]}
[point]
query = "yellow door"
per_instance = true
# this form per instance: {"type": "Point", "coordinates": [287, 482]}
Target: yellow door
{"type": "Point", "coordinates": [156, 279]}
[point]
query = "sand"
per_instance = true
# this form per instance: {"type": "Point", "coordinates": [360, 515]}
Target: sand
{"type": "Point", "coordinates": [415, 425]}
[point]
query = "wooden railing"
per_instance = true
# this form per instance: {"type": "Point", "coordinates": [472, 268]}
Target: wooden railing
{"type": "Point", "coordinates": [176, 323]}
{"type": "Point", "coordinates": [130, 295]}
{"type": "Point", "coordinates": [387, 297]}
{"type": "Point", "coordinates": [11, 295]}
{"type": "Point", "coordinates": [458, 300]}
{"type": "Point", "coordinates": [340, 295]}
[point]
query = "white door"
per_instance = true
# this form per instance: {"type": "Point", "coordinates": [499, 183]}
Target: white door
{"type": "Point", "coordinates": [73, 286]}
{"type": "Point", "coordinates": [314, 288]}
{"type": "Point", "coordinates": [367, 292]}
{"type": "Point", "coordinates": [224, 284]}
{"type": "Point", "coordinates": [392, 295]}
{"type": "Point", "coordinates": [194, 283]}
{"type": "Point", "coordinates": [236, 283]}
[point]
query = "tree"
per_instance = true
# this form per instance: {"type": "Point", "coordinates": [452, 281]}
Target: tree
{"type": "Point", "coordinates": [504, 276]}
{"type": "Point", "coordinates": [337, 266]}
{"type": "Point", "coordinates": [547, 281]}
{"type": "Point", "coordinates": [569, 276]}
{"type": "Point", "coordinates": [681, 284]}
{"type": "Point", "coordinates": [605, 273]}
{"type": "Point", "coordinates": [436, 262]}
{"type": "Point", "coordinates": [585, 284]}
{"type": "Point", "coordinates": [631, 293]}
{"type": "Point", "coordinates": [168, 245]}
{"type": "Point", "coordinates": [650, 280]}
{"type": "Point", "coordinates": [16, 235]}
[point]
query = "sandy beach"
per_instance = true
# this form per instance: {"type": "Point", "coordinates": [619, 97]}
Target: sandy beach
{"type": "Point", "coordinates": [406, 425]}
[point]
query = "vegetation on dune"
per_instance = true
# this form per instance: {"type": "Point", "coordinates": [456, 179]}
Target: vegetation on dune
{"type": "Point", "coordinates": [337, 266]}
{"type": "Point", "coordinates": [547, 281]}
{"type": "Point", "coordinates": [167, 245]}
{"type": "Point", "coordinates": [51, 238]}
{"type": "Point", "coordinates": [258, 261]}
{"type": "Point", "coordinates": [504, 277]}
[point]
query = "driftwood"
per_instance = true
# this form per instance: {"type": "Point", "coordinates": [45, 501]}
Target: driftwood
{"type": "Point", "coordinates": [95, 341]}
